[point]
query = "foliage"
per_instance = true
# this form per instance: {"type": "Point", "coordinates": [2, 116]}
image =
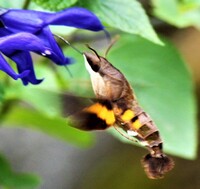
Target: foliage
{"type": "Point", "coordinates": [157, 80]}
{"type": "Point", "coordinates": [10, 179]}
{"type": "Point", "coordinates": [160, 78]}
{"type": "Point", "coordinates": [55, 4]}
{"type": "Point", "coordinates": [123, 17]}
{"type": "Point", "coordinates": [186, 12]}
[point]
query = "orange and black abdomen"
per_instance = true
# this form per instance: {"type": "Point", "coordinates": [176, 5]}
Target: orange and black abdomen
{"type": "Point", "coordinates": [135, 119]}
{"type": "Point", "coordinates": [156, 163]}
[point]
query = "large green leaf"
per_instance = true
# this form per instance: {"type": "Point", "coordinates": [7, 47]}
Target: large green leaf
{"type": "Point", "coordinates": [126, 15]}
{"type": "Point", "coordinates": [55, 5]}
{"type": "Point", "coordinates": [10, 179]}
{"type": "Point", "coordinates": [44, 97]}
{"type": "Point", "coordinates": [51, 125]}
{"type": "Point", "coordinates": [163, 86]}
{"type": "Point", "coordinates": [164, 89]}
{"type": "Point", "coordinates": [178, 13]}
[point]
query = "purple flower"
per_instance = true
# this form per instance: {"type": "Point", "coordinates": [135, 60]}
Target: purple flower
{"type": "Point", "coordinates": [17, 47]}
{"type": "Point", "coordinates": [22, 31]}
{"type": "Point", "coordinates": [4, 66]}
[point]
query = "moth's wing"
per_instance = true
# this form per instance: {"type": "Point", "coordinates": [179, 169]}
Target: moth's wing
{"type": "Point", "coordinates": [98, 116]}
{"type": "Point", "coordinates": [72, 104]}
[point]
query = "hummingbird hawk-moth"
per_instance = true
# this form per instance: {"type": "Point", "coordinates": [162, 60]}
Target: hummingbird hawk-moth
{"type": "Point", "coordinates": [116, 105]}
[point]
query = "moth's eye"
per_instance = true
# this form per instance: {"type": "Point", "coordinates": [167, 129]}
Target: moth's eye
{"type": "Point", "coordinates": [93, 64]}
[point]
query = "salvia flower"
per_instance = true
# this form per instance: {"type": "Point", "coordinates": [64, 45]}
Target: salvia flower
{"type": "Point", "coordinates": [22, 31]}
{"type": "Point", "coordinates": [13, 47]}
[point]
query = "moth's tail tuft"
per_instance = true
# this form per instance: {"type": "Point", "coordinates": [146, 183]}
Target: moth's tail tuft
{"type": "Point", "coordinates": [156, 167]}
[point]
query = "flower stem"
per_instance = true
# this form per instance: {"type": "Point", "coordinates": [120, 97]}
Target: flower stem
{"type": "Point", "coordinates": [26, 4]}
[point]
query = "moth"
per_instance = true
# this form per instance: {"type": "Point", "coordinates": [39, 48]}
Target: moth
{"type": "Point", "coordinates": [116, 106]}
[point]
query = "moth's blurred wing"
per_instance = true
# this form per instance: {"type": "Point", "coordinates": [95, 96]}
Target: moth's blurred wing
{"type": "Point", "coordinates": [98, 116]}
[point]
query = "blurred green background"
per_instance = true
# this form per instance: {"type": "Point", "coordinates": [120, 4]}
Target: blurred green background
{"type": "Point", "coordinates": [35, 138]}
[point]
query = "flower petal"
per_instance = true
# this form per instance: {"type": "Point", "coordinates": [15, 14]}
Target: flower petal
{"type": "Point", "coordinates": [24, 62]}
{"type": "Point", "coordinates": [17, 20]}
{"type": "Point", "coordinates": [43, 44]}
{"type": "Point", "coordinates": [21, 58]}
{"type": "Point", "coordinates": [23, 41]}
{"type": "Point", "coordinates": [3, 11]}
{"type": "Point", "coordinates": [4, 32]}
{"type": "Point", "coordinates": [4, 66]}
{"type": "Point", "coordinates": [75, 17]}
{"type": "Point", "coordinates": [56, 55]}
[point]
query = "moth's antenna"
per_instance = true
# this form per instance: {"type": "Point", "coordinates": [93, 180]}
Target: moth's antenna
{"type": "Point", "coordinates": [67, 42]}
{"type": "Point", "coordinates": [93, 50]}
{"type": "Point", "coordinates": [108, 37]}
{"type": "Point", "coordinates": [114, 40]}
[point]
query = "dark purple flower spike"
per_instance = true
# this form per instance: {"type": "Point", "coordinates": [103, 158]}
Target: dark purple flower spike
{"type": "Point", "coordinates": [22, 31]}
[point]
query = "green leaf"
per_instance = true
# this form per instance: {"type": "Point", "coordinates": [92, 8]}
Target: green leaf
{"type": "Point", "coordinates": [164, 88]}
{"type": "Point", "coordinates": [13, 4]}
{"type": "Point", "coordinates": [47, 104]}
{"type": "Point", "coordinates": [179, 13]}
{"type": "Point", "coordinates": [23, 181]}
{"type": "Point", "coordinates": [43, 97]}
{"type": "Point", "coordinates": [51, 125]}
{"type": "Point", "coordinates": [55, 5]}
{"type": "Point", "coordinates": [2, 92]}
{"type": "Point", "coordinates": [126, 15]}
{"type": "Point", "coordinates": [45, 101]}
{"type": "Point", "coordinates": [11, 179]}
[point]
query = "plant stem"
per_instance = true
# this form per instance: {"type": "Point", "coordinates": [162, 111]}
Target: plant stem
{"type": "Point", "coordinates": [26, 4]}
